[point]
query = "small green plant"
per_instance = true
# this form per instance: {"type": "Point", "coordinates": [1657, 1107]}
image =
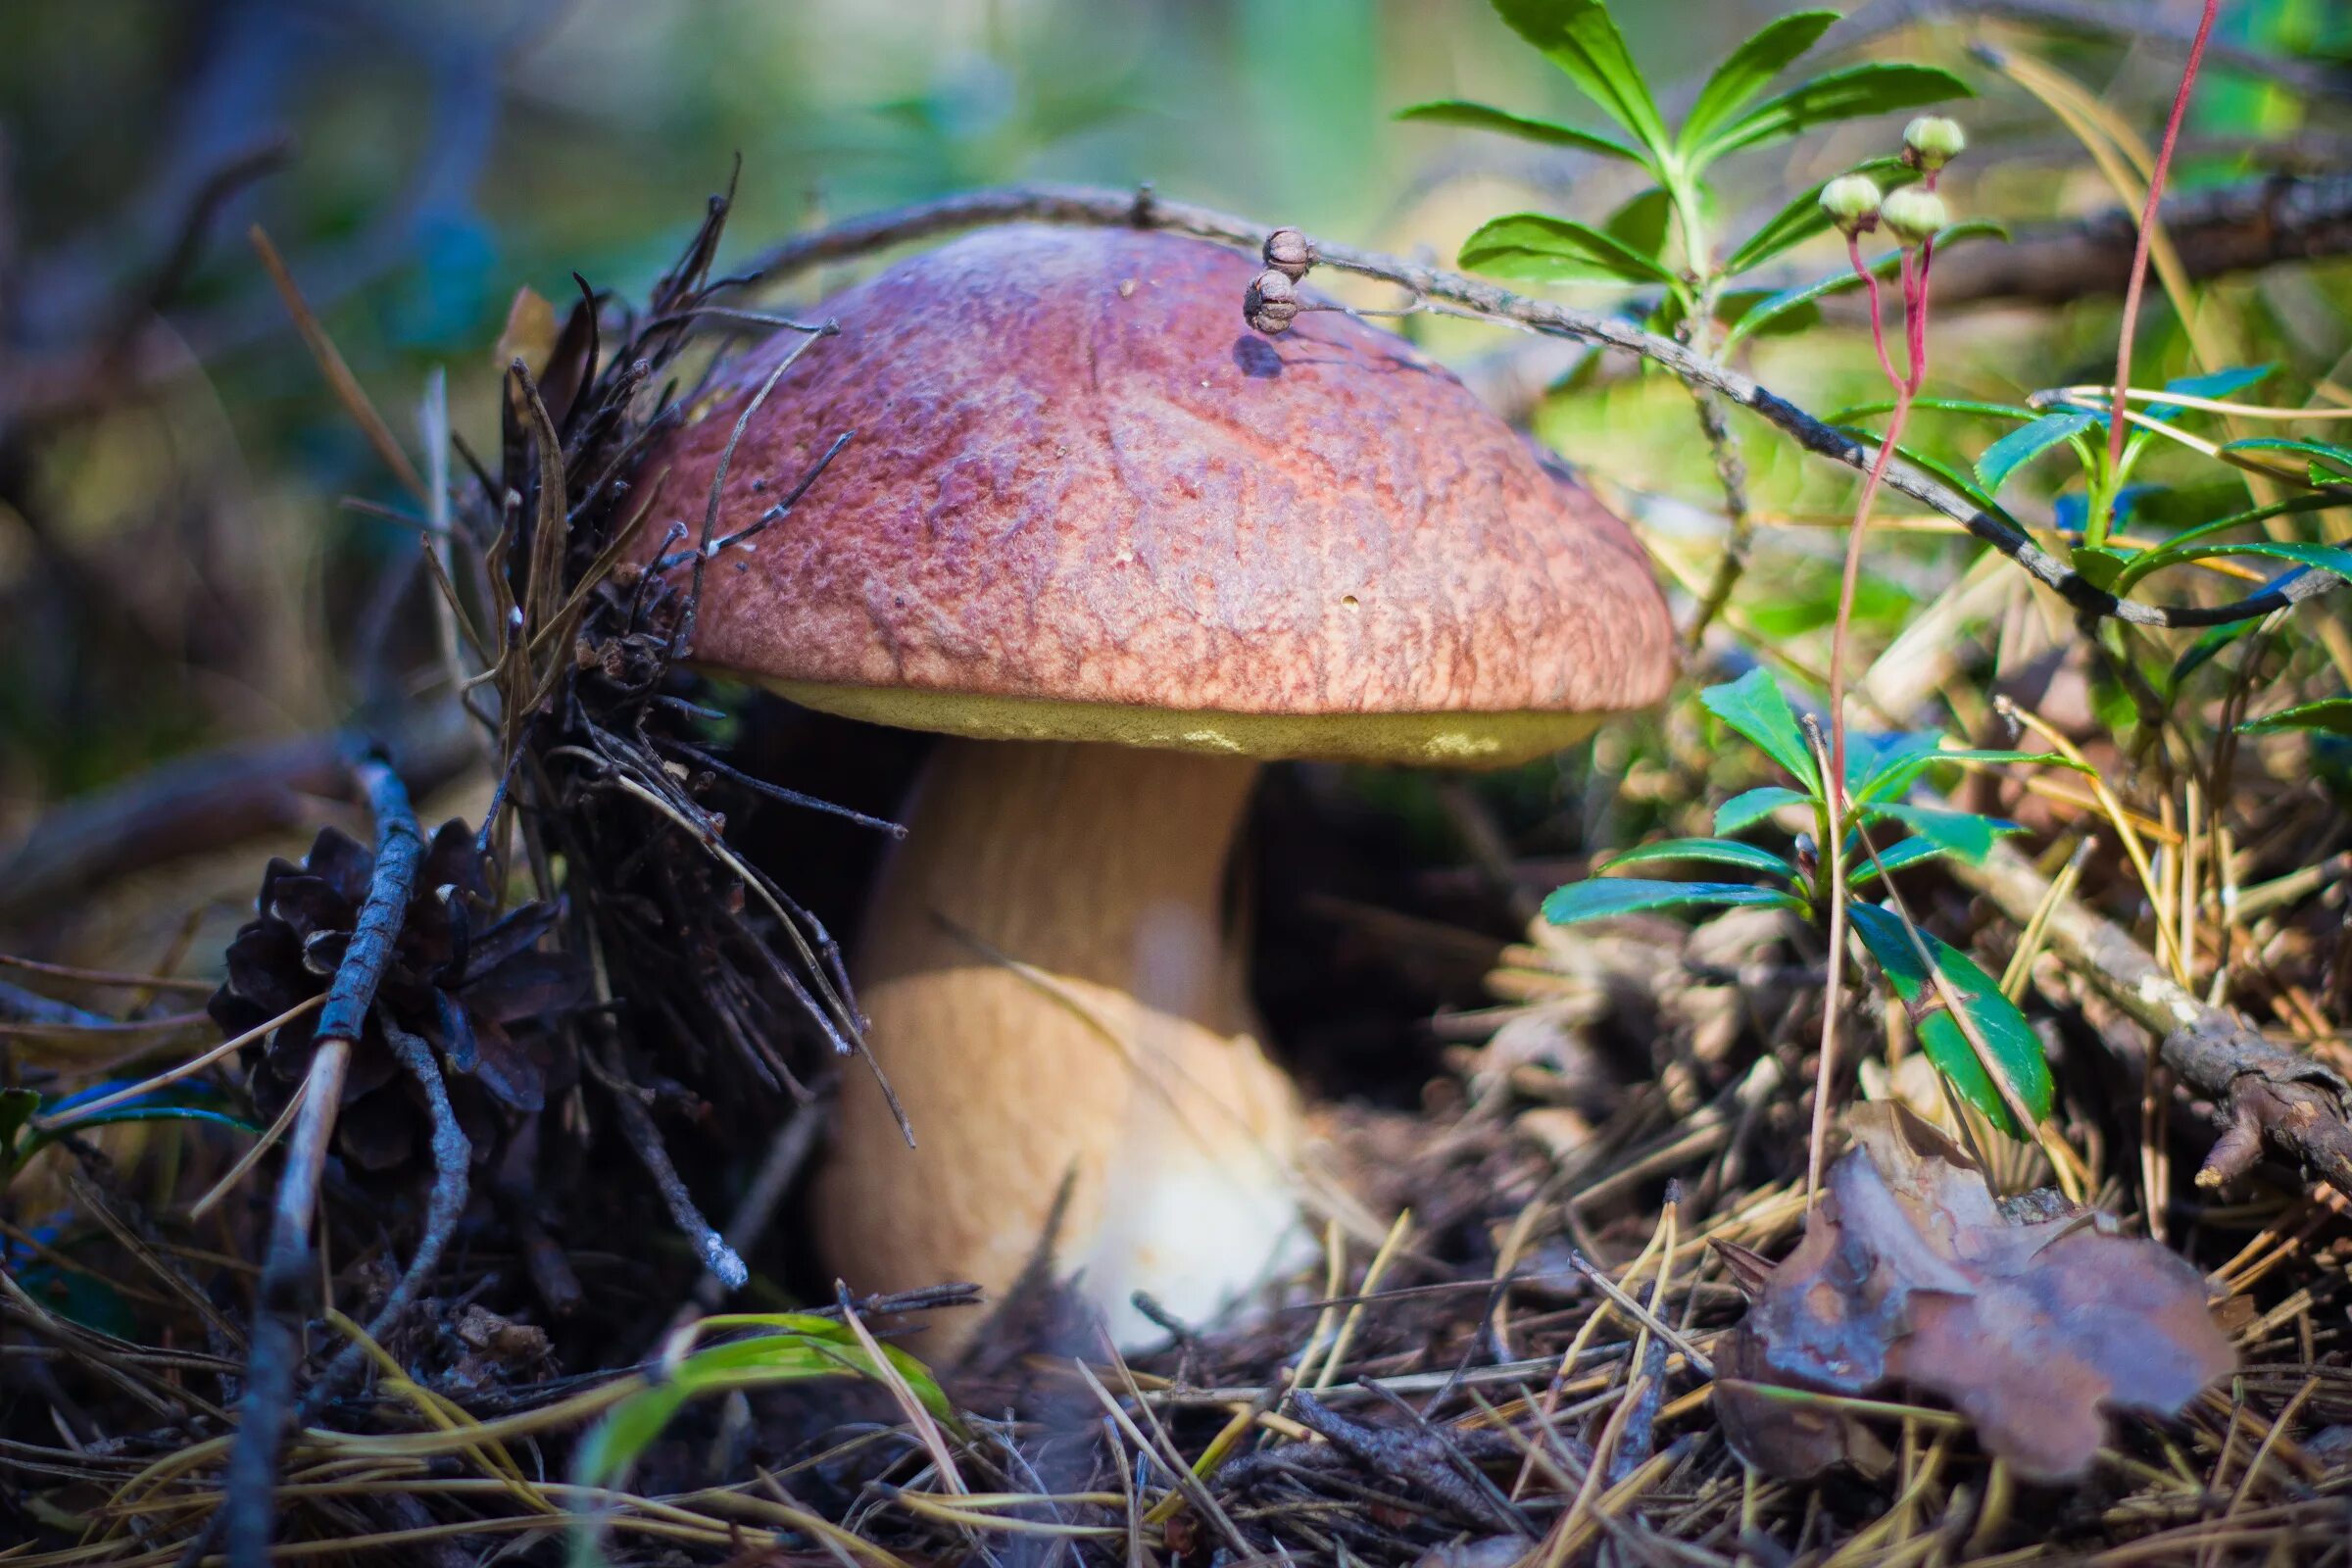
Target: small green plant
{"type": "Point", "coordinates": [26, 1130]}
{"type": "Point", "coordinates": [1881, 770]}
{"type": "Point", "coordinates": [1664, 235]}
{"type": "Point", "coordinates": [785, 1347]}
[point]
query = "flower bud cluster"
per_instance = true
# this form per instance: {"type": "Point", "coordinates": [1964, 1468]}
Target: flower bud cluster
{"type": "Point", "coordinates": [1913, 214]}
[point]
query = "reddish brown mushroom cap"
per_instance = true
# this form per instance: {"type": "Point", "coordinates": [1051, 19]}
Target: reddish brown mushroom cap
{"type": "Point", "coordinates": [1081, 500]}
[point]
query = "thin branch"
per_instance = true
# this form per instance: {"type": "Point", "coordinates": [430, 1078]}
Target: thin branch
{"type": "Point", "coordinates": [1086, 206]}
{"type": "Point", "coordinates": [248, 1507]}
{"type": "Point", "coordinates": [2264, 1092]}
{"type": "Point", "coordinates": [444, 1207]}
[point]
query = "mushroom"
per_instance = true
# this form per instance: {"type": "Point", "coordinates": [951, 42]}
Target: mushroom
{"type": "Point", "coordinates": [1120, 552]}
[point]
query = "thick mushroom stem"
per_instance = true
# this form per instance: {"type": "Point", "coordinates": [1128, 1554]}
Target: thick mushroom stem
{"type": "Point", "coordinates": [1051, 990]}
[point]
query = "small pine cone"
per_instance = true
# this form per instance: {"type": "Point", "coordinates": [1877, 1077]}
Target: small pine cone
{"type": "Point", "coordinates": [480, 991]}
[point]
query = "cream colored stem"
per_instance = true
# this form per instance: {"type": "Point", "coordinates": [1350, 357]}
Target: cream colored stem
{"type": "Point", "coordinates": [1051, 991]}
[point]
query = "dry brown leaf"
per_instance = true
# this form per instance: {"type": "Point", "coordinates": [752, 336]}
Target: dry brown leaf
{"type": "Point", "coordinates": [1910, 1275]}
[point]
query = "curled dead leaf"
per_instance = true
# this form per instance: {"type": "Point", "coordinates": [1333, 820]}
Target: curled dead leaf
{"type": "Point", "coordinates": [1911, 1274]}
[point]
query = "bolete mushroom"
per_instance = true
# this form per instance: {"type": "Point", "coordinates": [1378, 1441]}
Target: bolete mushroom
{"type": "Point", "coordinates": [1120, 551]}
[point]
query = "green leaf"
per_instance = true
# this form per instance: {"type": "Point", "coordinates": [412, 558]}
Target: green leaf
{"type": "Point", "coordinates": [1868, 757]}
{"type": "Point", "coordinates": [1482, 116]}
{"type": "Point", "coordinates": [1750, 806]}
{"type": "Point", "coordinates": [1964, 834]}
{"type": "Point", "coordinates": [2216, 384]}
{"type": "Point", "coordinates": [2099, 565]}
{"type": "Point", "coordinates": [1893, 780]}
{"type": "Point", "coordinates": [2022, 446]}
{"type": "Point", "coordinates": [1543, 249]}
{"type": "Point", "coordinates": [2336, 559]}
{"type": "Point", "coordinates": [2016, 1052]}
{"type": "Point", "coordinates": [1802, 218]}
{"type": "Point", "coordinates": [1755, 707]}
{"type": "Point", "coordinates": [1838, 282]}
{"type": "Point", "coordinates": [1910, 852]}
{"type": "Point", "coordinates": [1642, 225]}
{"type": "Point", "coordinates": [1734, 302]}
{"type": "Point", "coordinates": [181, 1103]}
{"type": "Point", "coordinates": [1746, 70]}
{"type": "Point", "coordinates": [2330, 463]}
{"type": "Point", "coordinates": [1580, 38]}
{"type": "Point", "coordinates": [2299, 502]}
{"type": "Point", "coordinates": [1878, 86]}
{"type": "Point", "coordinates": [1959, 478]}
{"type": "Point", "coordinates": [1609, 896]}
{"type": "Point", "coordinates": [799, 1346]}
{"type": "Point", "coordinates": [1998, 410]}
{"type": "Point", "coordinates": [2331, 714]}
{"type": "Point", "coordinates": [2207, 646]}
{"type": "Point", "coordinates": [1720, 852]}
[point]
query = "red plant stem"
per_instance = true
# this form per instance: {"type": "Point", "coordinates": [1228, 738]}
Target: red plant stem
{"type": "Point", "coordinates": [1915, 315]}
{"type": "Point", "coordinates": [1878, 327]}
{"type": "Point", "coordinates": [2147, 230]}
{"type": "Point", "coordinates": [1906, 388]}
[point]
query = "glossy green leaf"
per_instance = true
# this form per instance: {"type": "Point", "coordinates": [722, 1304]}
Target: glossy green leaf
{"type": "Point", "coordinates": [2300, 502]}
{"type": "Point", "coordinates": [1580, 38]}
{"type": "Point", "coordinates": [2336, 559]}
{"type": "Point", "coordinates": [1838, 282]}
{"type": "Point", "coordinates": [1998, 410]}
{"type": "Point", "coordinates": [1963, 834]}
{"type": "Point", "coordinates": [1540, 248]}
{"type": "Point", "coordinates": [1874, 88]}
{"type": "Point", "coordinates": [2208, 645]}
{"type": "Point", "coordinates": [1868, 757]}
{"type": "Point", "coordinates": [1609, 896]}
{"type": "Point", "coordinates": [2015, 1050]}
{"type": "Point", "coordinates": [2216, 384]}
{"type": "Point", "coordinates": [2099, 565]}
{"type": "Point", "coordinates": [797, 1346]}
{"type": "Point", "coordinates": [2333, 714]}
{"type": "Point", "coordinates": [1750, 806]}
{"type": "Point", "coordinates": [2329, 463]}
{"type": "Point", "coordinates": [2022, 446]}
{"type": "Point", "coordinates": [1959, 479]}
{"type": "Point", "coordinates": [1802, 218]}
{"type": "Point", "coordinates": [184, 1102]}
{"type": "Point", "coordinates": [1483, 116]}
{"type": "Point", "coordinates": [1892, 780]}
{"type": "Point", "coordinates": [1643, 224]}
{"type": "Point", "coordinates": [1747, 70]}
{"type": "Point", "coordinates": [1866, 869]}
{"type": "Point", "coordinates": [1755, 707]}
{"type": "Point", "coordinates": [1719, 851]}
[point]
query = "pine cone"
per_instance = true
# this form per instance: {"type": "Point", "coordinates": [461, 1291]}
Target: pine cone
{"type": "Point", "coordinates": [485, 999]}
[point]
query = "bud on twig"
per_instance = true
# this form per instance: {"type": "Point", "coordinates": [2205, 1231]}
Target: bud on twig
{"type": "Point", "coordinates": [1931, 141]}
{"type": "Point", "coordinates": [1913, 216]}
{"type": "Point", "coordinates": [1272, 301]}
{"type": "Point", "coordinates": [1852, 203]}
{"type": "Point", "coordinates": [1288, 253]}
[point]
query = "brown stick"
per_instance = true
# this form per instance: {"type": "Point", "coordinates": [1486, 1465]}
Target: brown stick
{"type": "Point", "coordinates": [2293, 1102]}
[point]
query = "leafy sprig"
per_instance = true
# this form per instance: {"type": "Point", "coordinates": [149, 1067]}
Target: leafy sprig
{"type": "Point", "coordinates": [1884, 834]}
